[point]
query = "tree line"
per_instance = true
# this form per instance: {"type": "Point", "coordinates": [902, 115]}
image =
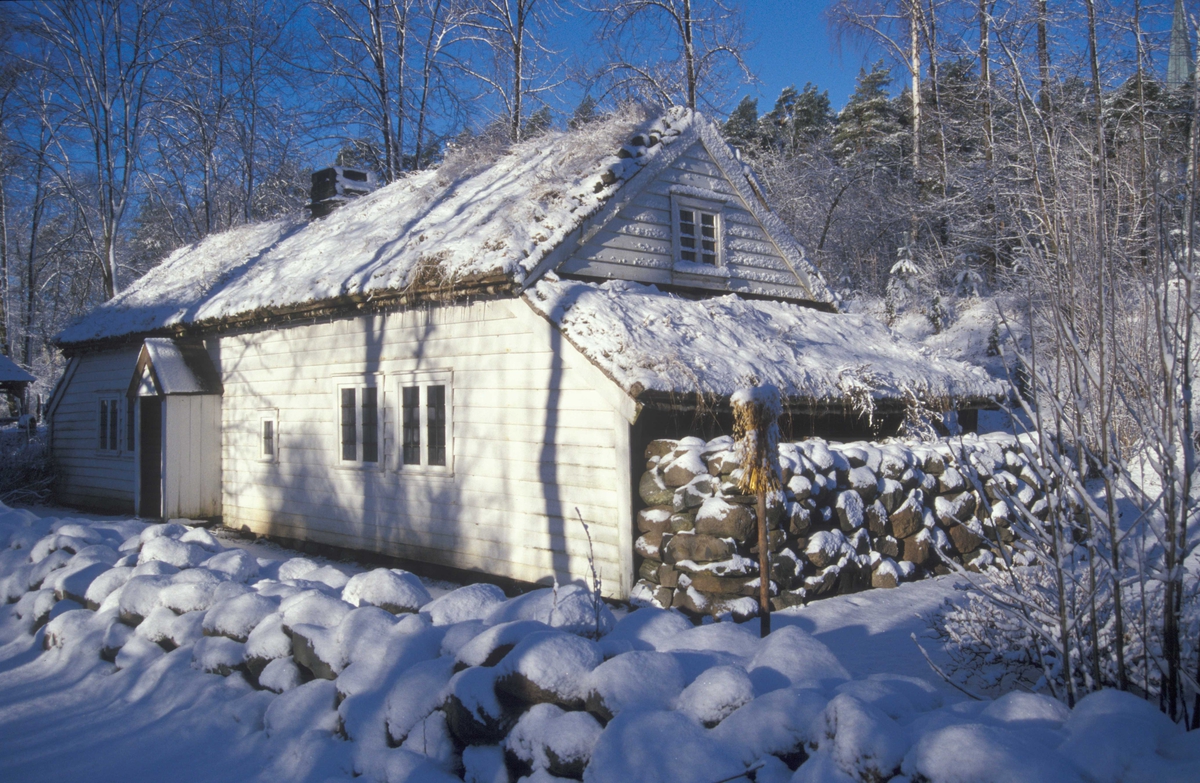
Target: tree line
{"type": "Point", "coordinates": [129, 128]}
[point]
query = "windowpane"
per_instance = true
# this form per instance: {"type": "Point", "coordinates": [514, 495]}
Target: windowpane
{"type": "Point", "coordinates": [411, 407]}
{"type": "Point", "coordinates": [268, 438]}
{"type": "Point", "coordinates": [114, 427]}
{"type": "Point", "coordinates": [698, 236]}
{"type": "Point", "coordinates": [103, 425]}
{"type": "Point", "coordinates": [436, 405]}
{"type": "Point", "coordinates": [130, 431]}
{"type": "Point", "coordinates": [349, 436]}
{"type": "Point", "coordinates": [370, 424]}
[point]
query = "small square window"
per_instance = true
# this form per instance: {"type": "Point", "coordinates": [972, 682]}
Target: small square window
{"type": "Point", "coordinates": [427, 423]}
{"type": "Point", "coordinates": [697, 233]}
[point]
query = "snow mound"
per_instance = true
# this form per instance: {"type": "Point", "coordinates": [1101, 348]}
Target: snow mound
{"type": "Point", "coordinates": [549, 666]}
{"type": "Point", "coordinates": [660, 747]}
{"type": "Point", "coordinates": [973, 753]}
{"type": "Point", "coordinates": [181, 554]}
{"type": "Point", "coordinates": [237, 617]}
{"type": "Point", "coordinates": [570, 608]}
{"type": "Point", "coordinates": [715, 694]}
{"type": "Point", "coordinates": [473, 602]}
{"type": "Point", "coordinates": [789, 656]}
{"type": "Point", "coordinates": [638, 679]}
{"type": "Point", "coordinates": [550, 739]}
{"type": "Point", "coordinates": [392, 590]}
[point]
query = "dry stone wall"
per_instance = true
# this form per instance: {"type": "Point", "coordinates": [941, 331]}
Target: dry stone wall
{"type": "Point", "coordinates": [850, 517]}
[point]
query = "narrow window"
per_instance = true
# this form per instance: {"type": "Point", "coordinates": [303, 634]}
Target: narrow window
{"type": "Point", "coordinates": [708, 238]}
{"type": "Point", "coordinates": [114, 427]}
{"type": "Point", "coordinates": [349, 426]}
{"type": "Point", "coordinates": [130, 432]}
{"type": "Point", "coordinates": [436, 404]}
{"type": "Point", "coordinates": [687, 235]}
{"type": "Point", "coordinates": [268, 439]}
{"type": "Point", "coordinates": [370, 427]}
{"type": "Point", "coordinates": [411, 404]}
{"type": "Point", "coordinates": [103, 445]}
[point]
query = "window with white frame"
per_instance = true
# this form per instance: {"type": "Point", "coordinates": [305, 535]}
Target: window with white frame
{"type": "Point", "coordinates": [109, 425]}
{"type": "Point", "coordinates": [359, 407]}
{"type": "Point", "coordinates": [697, 231]}
{"type": "Point", "coordinates": [130, 423]}
{"type": "Point", "coordinates": [268, 436]}
{"type": "Point", "coordinates": [426, 422]}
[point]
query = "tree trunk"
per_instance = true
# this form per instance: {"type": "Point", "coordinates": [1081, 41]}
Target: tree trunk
{"type": "Point", "coordinates": [689, 57]}
{"type": "Point", "coordinates": [1043, 56]}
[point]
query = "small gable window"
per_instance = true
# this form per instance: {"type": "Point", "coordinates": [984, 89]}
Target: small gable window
{"type": "Point", "coordinates": [697, 231]}
{"type": "Point", "coordinates": [426, 422]}
{"type": "Point", "coordinates": [359, 424]}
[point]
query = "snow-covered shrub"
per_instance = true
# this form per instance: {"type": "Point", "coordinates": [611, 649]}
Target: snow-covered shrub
{"type": "Point", "coordinates": [27, 469]}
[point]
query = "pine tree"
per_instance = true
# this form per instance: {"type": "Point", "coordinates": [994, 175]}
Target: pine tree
{"type": "Point", "coordinates": [869, 126]}
{"type": "Point", "coordinates": [584, 113]}
{"type": "Point", "coordinates": [798, 118]}
{"type": "Point", "coordinates": [741, 129]}
{"type": "Point", "coordinates": [537, 123]}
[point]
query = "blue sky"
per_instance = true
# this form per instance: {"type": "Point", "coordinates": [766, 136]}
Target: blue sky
{"type": "Point", "coordinates": [793, 46]}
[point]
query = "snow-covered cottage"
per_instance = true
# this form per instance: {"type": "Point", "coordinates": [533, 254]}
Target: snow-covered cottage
{"type": "Point", "coordinates": [458, 367]}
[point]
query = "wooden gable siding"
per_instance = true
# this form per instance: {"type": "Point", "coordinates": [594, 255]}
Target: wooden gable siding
{"type": "Point", "coordinates": [532, 440]}
{"type": "Point", "coordinates": [637, 243]}
{"type": "Point", "coordinates": [88, 477]}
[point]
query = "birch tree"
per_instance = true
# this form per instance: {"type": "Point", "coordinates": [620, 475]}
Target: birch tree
{"type": "Point", "coordinates": [104, 57]}
{"type": "Point", "coordinates": [685, 52]}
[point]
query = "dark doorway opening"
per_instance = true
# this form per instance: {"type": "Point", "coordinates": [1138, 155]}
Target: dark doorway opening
{"type": "Point", "coordinates": [150, 467]}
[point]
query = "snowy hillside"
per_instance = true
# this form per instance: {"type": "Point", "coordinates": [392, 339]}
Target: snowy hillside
{"type": "Point", "coordinates": [196, 661]}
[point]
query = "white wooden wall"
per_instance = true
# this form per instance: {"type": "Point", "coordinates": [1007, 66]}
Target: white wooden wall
{"type": "Point", "coordinates": [191, 456]}
{"type": "Point", "coordinates": [89, 477]}
{"type": "Point", "coordinates": [637, 243]}
{"type": "Point", "coordinates": [532, 441]}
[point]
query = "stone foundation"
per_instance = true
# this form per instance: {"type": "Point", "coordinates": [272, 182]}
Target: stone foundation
{"type": "Point", "coordinates": [850, 517]}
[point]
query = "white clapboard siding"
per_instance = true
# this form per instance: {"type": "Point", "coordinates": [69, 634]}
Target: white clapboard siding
{"type": "Point", "coordinates": [532, 440]}
{"type": "Point", "coordinates": [636, 244]}
{"type": "Point", "coordinates": [192, 456]}
{"type": "Point", "coordinates": [89, 477]}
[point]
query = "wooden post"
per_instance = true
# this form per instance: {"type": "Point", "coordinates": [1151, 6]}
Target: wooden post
{"type": "Point", "coordinates": [764, 568]}
{"type": "Point", "coordinates": [755, 415]}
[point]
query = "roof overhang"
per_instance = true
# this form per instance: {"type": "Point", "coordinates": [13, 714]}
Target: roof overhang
{"type": "Point", "coordinates": [170, 366]}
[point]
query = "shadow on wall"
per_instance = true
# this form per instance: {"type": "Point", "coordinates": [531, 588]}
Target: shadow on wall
{"type": "Point", "coordinates": [475, 523]}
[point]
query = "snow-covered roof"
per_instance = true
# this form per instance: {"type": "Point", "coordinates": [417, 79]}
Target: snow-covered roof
{"type": "Point", "coordinates": [11, 373]}
{"type": "Point", "coordinates": [468, 220]}
{"type": "Point", "coordinates": [648, 340]}
{"type": "Point", "coordinates": [177, 367]}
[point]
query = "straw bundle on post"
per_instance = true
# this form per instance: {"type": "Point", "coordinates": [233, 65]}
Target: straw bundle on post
{"type": "Point", "coordinates": [756, 414]}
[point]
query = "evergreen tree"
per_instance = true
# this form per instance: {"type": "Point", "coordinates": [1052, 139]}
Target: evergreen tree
{"type": "Point", "coordinates": [798, 118]}
{"type": "Point", "coordinates": [741, 130]}
{"type": "Point", "coordinates": [869, 127]}
{"type": "Point", "coordinates": [537, 123]}
{"type": "Point", "coordinates": [584, 113]}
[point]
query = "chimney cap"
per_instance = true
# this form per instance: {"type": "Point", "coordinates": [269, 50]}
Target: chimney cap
{"type": "Point", "coordinates": [334, 185]}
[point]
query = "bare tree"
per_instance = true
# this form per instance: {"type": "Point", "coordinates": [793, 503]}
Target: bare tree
{"type": "Point", "coordinates": [674, 51]}
{"type": "Point", "coordinates": [514, 55]}
{"type": "Point", "coordinates": [104, 57]}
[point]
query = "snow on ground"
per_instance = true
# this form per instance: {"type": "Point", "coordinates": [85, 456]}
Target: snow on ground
{"type": "Point", "coordinates": [212, 684]}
